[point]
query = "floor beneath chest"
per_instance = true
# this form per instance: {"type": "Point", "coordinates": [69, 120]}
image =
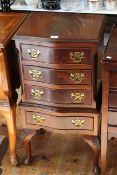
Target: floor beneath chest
{"type": "Point", "coordinates": [55, 154]}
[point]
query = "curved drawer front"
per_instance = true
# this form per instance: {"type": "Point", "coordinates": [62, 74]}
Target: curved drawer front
{"type": "Point", "coordinates": [56, 56]}
{"type": "Point", "coordinates": [61, 96]}
{"type": "Point", "coordinates": [75, 123]}
{"type": "Point", "coordinates": [52, 76]}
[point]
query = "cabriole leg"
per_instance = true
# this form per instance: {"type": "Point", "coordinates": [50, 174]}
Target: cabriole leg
{"type": "Point", "coordinates": [94, 143]}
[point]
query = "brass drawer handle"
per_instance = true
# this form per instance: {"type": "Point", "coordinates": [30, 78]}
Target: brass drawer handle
{"type": "Point", "coordinates": [78, 97]}
{"type": "Point", "coordinates": [78, 123]}
{"type": "Point", "coordinates": [38, 119]}
{"type": "Point", "coordinates": [34, 53]}
{"type": "Point", "coordinates": [35, 74]}
{"type": "Point", "coordinates": [37, 93]}
{"type": "Point", "coordinates": [77, 77]}
{"type": "Point", "coordinates": [77, 56]}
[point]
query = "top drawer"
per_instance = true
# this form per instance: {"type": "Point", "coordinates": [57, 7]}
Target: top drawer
{"type": "Point", "coordinates": [56, 55]}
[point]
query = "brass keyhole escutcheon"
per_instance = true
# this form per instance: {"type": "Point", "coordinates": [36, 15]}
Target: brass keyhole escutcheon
{"type": "Point", "coordinates": [78, 123]}
{"type": "Point", "coordinates": [38, 119]}
{"type": "Point", "coordinates": [77, 56]}
{"type": "Point", "coordinates": [78, 97]}
{"type": "Point", "coordinates": [77, 77]}
{"type": "Point", "coordinates": [37, 93]}
{"type": "Point", "coordinates": [33, 53]}
{"type": "Point", "coordinates": [35, 74]}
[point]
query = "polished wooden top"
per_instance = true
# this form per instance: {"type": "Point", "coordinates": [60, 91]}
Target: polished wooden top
{"type": "Point", "coordinates": [62, 26]}
{"type": "Point", "coordinates": [111, 49]}
{"type": "Point", "coordinates": [9, 23]}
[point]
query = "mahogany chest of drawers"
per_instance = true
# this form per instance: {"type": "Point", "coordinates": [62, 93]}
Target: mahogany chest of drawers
{"type": "Point", "coordinates": [58, 61]}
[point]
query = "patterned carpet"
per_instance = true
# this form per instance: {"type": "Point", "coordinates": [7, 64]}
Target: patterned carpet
{"type": "Point", "coordinates": [55, 154]}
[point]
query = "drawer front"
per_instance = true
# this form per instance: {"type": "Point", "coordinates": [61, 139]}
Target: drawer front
{"type": "Point", "coordinates": [113, 99]}
{"type": "Point", "coordinates": [112, 118]}
{"type": "Point", "coordinates": [75, 123]}
{"type": "Point", "coordinates": [56, 56]}
{"type": "Point", "coordinates": [52, 76]}
{"type": "Point", "coordinates": [113, 79]}
{"type": "Point", "coordinates": [113, 75]}
{"type": "Point", "coordinates": [61, 96]}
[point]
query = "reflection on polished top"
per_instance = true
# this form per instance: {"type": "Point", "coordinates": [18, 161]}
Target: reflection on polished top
{"type": "Point", "coordinates": [62, 26]}
{"type": "Point", "coordinates": [9, 23]}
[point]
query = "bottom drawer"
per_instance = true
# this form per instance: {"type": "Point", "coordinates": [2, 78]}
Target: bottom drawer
{"type": "Point", "coordinates": [81, 122]}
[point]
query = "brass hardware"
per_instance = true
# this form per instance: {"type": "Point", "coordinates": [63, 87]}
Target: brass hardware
{"type": "Point", "coordinates": [77, 56]}
{"type": "Point", "coordinates": [33, 53]}
{"type": "Point", "coordinates": [38, 119]}
{"type": "Point", "coordinates": [78, 97]}
{"type": "Point", "coordinates": [78, 123]}
{"type": "Point", "coordinates": [37, 93]}
{"type": "Point", "coordinates": [77, 77]}
{"type": "Point", "coordinates": [35, 74]}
